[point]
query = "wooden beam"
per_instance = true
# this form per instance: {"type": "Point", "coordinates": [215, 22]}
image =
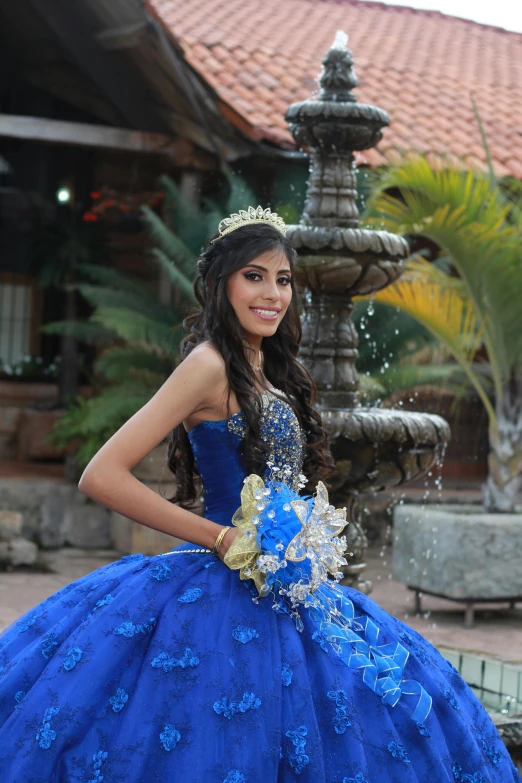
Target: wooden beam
{"type": "Point", "coordinates": [180, 152]}
{"type": "Point", "coordinates": [87, 135]}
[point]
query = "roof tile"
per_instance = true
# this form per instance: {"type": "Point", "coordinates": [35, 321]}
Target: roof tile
{"type": "Point", "coordinates": [263, 93]}
{"type": "Point", "coordinates": [227, 78]}
{"type": "Point", "coordinates": [261, 57]}
{"type": "Point", "coordinates": [239, 54]}
{"type": "Point", "coordinates": [420, 66]}
{"type": "Point", "coordinates": [267, 80]}
{"type": "Point", "coordinates": [276, 70]}
{"type": "Point", "coordinates": [220, 52]}
{"type": "Point", "coordinates": [248, 79]}
{"type": "Point", "coordinates": [212, 65]}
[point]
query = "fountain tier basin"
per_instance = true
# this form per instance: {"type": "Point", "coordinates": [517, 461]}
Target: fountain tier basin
{"type": "Point", "coordinates": [359, 273]}
{"type": "Point", "coordinates": [377, 448]}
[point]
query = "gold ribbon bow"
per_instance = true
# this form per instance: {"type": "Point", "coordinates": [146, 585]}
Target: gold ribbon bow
{"type": "Point", "coordinates": [243, 551]}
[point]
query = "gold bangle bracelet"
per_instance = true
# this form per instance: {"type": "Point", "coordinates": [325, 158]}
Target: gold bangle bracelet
{"type": "Point", "coordinates": [219, 539]}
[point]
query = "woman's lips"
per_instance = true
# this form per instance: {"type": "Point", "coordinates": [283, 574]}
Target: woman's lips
{"type": "Point", "coordinates": [262, 313]}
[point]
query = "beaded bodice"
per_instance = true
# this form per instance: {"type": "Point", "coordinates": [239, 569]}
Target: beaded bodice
{"type": "Point", "coordinates": [217, 451]}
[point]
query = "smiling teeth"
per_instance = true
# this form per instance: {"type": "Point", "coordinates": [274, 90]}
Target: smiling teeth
{"type": "Point", "coordinates": [264, 312]}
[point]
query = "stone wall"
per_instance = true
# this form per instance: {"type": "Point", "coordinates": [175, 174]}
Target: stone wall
{"type": "Point", "coordinates": [53, 513]}
{"type": "Point", "coordinates": [15, 550]}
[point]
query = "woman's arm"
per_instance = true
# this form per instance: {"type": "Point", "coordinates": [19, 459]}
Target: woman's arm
{"type": "Point", "coordinates": [107, 478]}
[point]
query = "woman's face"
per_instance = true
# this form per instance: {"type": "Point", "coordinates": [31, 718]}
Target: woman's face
{"type": "Point", "coordinates": [260, 294]}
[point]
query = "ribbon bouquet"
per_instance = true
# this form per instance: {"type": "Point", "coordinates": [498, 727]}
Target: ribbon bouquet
{"type": "Point", "coordinates": [291, 548]}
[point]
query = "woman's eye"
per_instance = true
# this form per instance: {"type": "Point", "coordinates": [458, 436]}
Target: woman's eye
{"type": "Point", "coordinates": [255, 276]}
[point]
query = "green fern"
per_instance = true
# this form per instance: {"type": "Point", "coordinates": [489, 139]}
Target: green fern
{"type": "Point", "coordinates": [140, 334]}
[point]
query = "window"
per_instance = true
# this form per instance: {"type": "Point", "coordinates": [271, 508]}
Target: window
{"type": "Point", "coordinates": [17, 307]}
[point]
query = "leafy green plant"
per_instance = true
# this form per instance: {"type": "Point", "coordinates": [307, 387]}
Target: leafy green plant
{"type": "Point", "coordinates": [137, 329]}
{"type": "Point", "coordinates": [474, 302]}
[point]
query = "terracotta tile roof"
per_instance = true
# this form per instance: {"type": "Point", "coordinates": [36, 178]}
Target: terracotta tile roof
{"type": "Point", "coordinates": [420, 66]}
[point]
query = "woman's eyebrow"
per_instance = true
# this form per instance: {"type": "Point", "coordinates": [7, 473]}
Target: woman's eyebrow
{"type": "Point", "coordinates": [262, 268]}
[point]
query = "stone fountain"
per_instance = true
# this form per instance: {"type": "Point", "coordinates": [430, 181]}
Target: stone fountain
{"type": "Point", "coordinates": [374, 448]}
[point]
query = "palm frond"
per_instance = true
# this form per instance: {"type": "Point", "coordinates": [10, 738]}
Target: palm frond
{"type": "Point", "coordinates": [468, 219]}
{"type": "Point", "coordinates": [169, 242]}
{"type": "Point", "coordinates": [137, 328]}
{"type": "Point", "coordinates": [120, 362]}
{"type": "Point", "coordinates": [440, 303]}
{"type": "Point", "coordinates": [386, 336]}
{"type": "Point", "coordinates": [126, 310]}
{"type": "Point", "coordinates": [176, 276]}
{"type": "Point", "coordinates": [141, 304]}
{"type": "Point", "coordinates": [109, 277]}
{"type": "Point", "coordinates": [370, 388]}
{"type": "Point", "coordinates": [448, 313]}
{"type": "Point", "coordinates": [492, 175]}
{"type": "Point", "coordinates": [115, 404]}
{"type": "Point", "coordinates": [83, 331]}
{"type": "Point", "coordinates": [184, 217]}
{"type": "Point", "coordinates": [449, 376]}
{"type": "Point", "coordinates": [427, 188]}
{"type": "Point", "coordinates": [91, 422]}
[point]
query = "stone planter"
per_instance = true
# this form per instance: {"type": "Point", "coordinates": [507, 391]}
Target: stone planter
{"type": "Point", "coordinates": [27, 413]}
{"type": "Point", "coordinates": [460, 553]}
{"type": "Point", "coordinates": [15, 398]}
{"type": "Point", "coordinates": [34, 427]}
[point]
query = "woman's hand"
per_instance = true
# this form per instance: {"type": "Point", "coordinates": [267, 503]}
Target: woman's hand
{"type": "Point", "coordinates": [226, 542]}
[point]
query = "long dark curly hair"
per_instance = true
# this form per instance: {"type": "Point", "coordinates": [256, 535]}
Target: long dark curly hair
{"type": "Point", "coordinates": [217, 323]}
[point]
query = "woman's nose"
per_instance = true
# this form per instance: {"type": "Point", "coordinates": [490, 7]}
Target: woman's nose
{"type": "Point", "coordinates": [271, 291]}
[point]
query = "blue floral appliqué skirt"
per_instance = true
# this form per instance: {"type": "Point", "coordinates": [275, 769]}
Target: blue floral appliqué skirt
{"type": "Point", "coordinates": [165, 670]}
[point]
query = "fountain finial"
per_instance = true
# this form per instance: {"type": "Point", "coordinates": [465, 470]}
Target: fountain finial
{"type": "Point", "coordinates": [340, 40]}
{"type": "Point", "coordinates": [337, 79]}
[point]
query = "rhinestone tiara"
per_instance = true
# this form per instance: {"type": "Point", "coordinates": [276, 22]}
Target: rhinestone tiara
{"type": "Point", "coordinates": [251, 215]}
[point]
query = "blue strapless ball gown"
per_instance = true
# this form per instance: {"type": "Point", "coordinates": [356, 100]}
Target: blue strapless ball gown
{"type": "Point", "coordinates": [164, 670]}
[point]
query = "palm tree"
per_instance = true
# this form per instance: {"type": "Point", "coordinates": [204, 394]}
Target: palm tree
{"type": "Point", "coordinates": [472, 303]}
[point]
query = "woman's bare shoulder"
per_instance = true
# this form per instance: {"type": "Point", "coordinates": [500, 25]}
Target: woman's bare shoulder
{"type": "Point", "coordinates": [206, 356]}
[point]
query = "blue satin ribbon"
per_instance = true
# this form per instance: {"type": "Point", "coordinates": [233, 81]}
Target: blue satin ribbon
{"type": "Point", "coordinates": [355, 641]}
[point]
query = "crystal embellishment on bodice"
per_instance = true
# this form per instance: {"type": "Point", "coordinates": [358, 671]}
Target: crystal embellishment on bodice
{"type": "Point", "coordinates": [280, 430]}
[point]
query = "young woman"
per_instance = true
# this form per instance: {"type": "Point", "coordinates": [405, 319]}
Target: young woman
{"type": "Point", "coordinates": [179, 669]}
